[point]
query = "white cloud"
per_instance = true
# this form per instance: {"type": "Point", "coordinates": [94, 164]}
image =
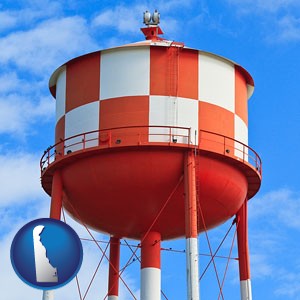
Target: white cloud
{"type": "Point", "coordinates": [263, 6]}
{"type": "Point", "coordinates": [9, 82]}
{"type": "Point", "coordinates": [34, 11]}
{"type": "Point", "coordinates": [125, 19]}
{"type": "Point", "coordinates": [47, 45]}
{"type": "Point", "coordinates": [289, 29]}
{"type": "Point", "coordinates": [7, 20]}
{"type": "Point", "coordinates": [279, 20]}
{"type": "Point", "coordinates": [281, 207]}
{"type": "Point", "coordinates": [273, 230]}
{"type": "Point", "coordinates": [171, 28]}
{"type": "Point", "coordinates": [168, 6]}
{"type": "Point", "coordinates": [261, 267]}
{"type": "Point", "coordinates": [289, 286]}
{"type": "Point", "coordinates": [18, 113]}
{"type": "Point", "coordinates": [20, 178]}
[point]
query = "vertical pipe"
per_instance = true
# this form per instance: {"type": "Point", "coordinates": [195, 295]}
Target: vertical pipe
{"type": "Point", "coordinates": [191, 229]}
{"type": "Point", "coordinates": [150, 266]}
{"type": "Point", "coordinates": [114, 268]}
{"type": "Point", "coordinates": [55, 213]}
{"type": "Point", "coordinates": [243, 251]}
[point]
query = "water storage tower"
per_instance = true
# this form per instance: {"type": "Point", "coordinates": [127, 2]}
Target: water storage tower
{"type": "Point", "coordinates": [152, 144]}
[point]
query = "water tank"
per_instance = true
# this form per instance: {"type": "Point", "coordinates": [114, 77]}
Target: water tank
{"type": "Point", "coordinates": [125, 117]}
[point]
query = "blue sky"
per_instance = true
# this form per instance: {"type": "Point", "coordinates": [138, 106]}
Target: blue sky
{"type": "Point", "coordinates": [37, 36]}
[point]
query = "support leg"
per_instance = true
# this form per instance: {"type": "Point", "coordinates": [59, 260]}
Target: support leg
{"type": "Point", "coordinates": [114, 268]}
{"type": "Point", "coordinates": [150, 267]}
{"type": "Point", "coordinates": [243, 251]}
{"type": "Point", "coordinates": [56, 196]}
{"type": "Point", "coordinates": [191, 227]}
{"type": "Point", "coordinates": [55, 213]}
{"type": "Point", "coordinates": [48, 295]}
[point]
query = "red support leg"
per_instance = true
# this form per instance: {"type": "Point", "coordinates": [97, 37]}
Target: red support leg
{"type": "Point", "coordinates": [114, 268]}
{"type": "Point", "coordinates": [191, 228]}
{"type": "Point", "coordinates": [150, 267]}
{"type": "Point", "coordinates": [243, 251]}
{"type": "Point", "coordinates": [55, 213]}
{"type": "Point", "coordinates": [56, 196]}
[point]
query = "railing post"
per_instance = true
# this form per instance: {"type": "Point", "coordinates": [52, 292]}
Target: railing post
{"type": "Point", "coordinates": [83, 141]}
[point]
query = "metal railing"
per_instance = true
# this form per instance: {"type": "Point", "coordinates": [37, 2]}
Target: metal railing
{"type": "Point", "coordinates": [152, 135]}
{"type": "Point", "coordinates": [228, 146]}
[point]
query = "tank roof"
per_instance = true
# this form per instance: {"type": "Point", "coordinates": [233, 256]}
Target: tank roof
{"type": "Point", "coordinates": [156, 42]}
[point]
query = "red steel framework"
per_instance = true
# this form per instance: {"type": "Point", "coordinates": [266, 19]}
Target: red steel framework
{"type": "Point", "coordinates": [223, 148]}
